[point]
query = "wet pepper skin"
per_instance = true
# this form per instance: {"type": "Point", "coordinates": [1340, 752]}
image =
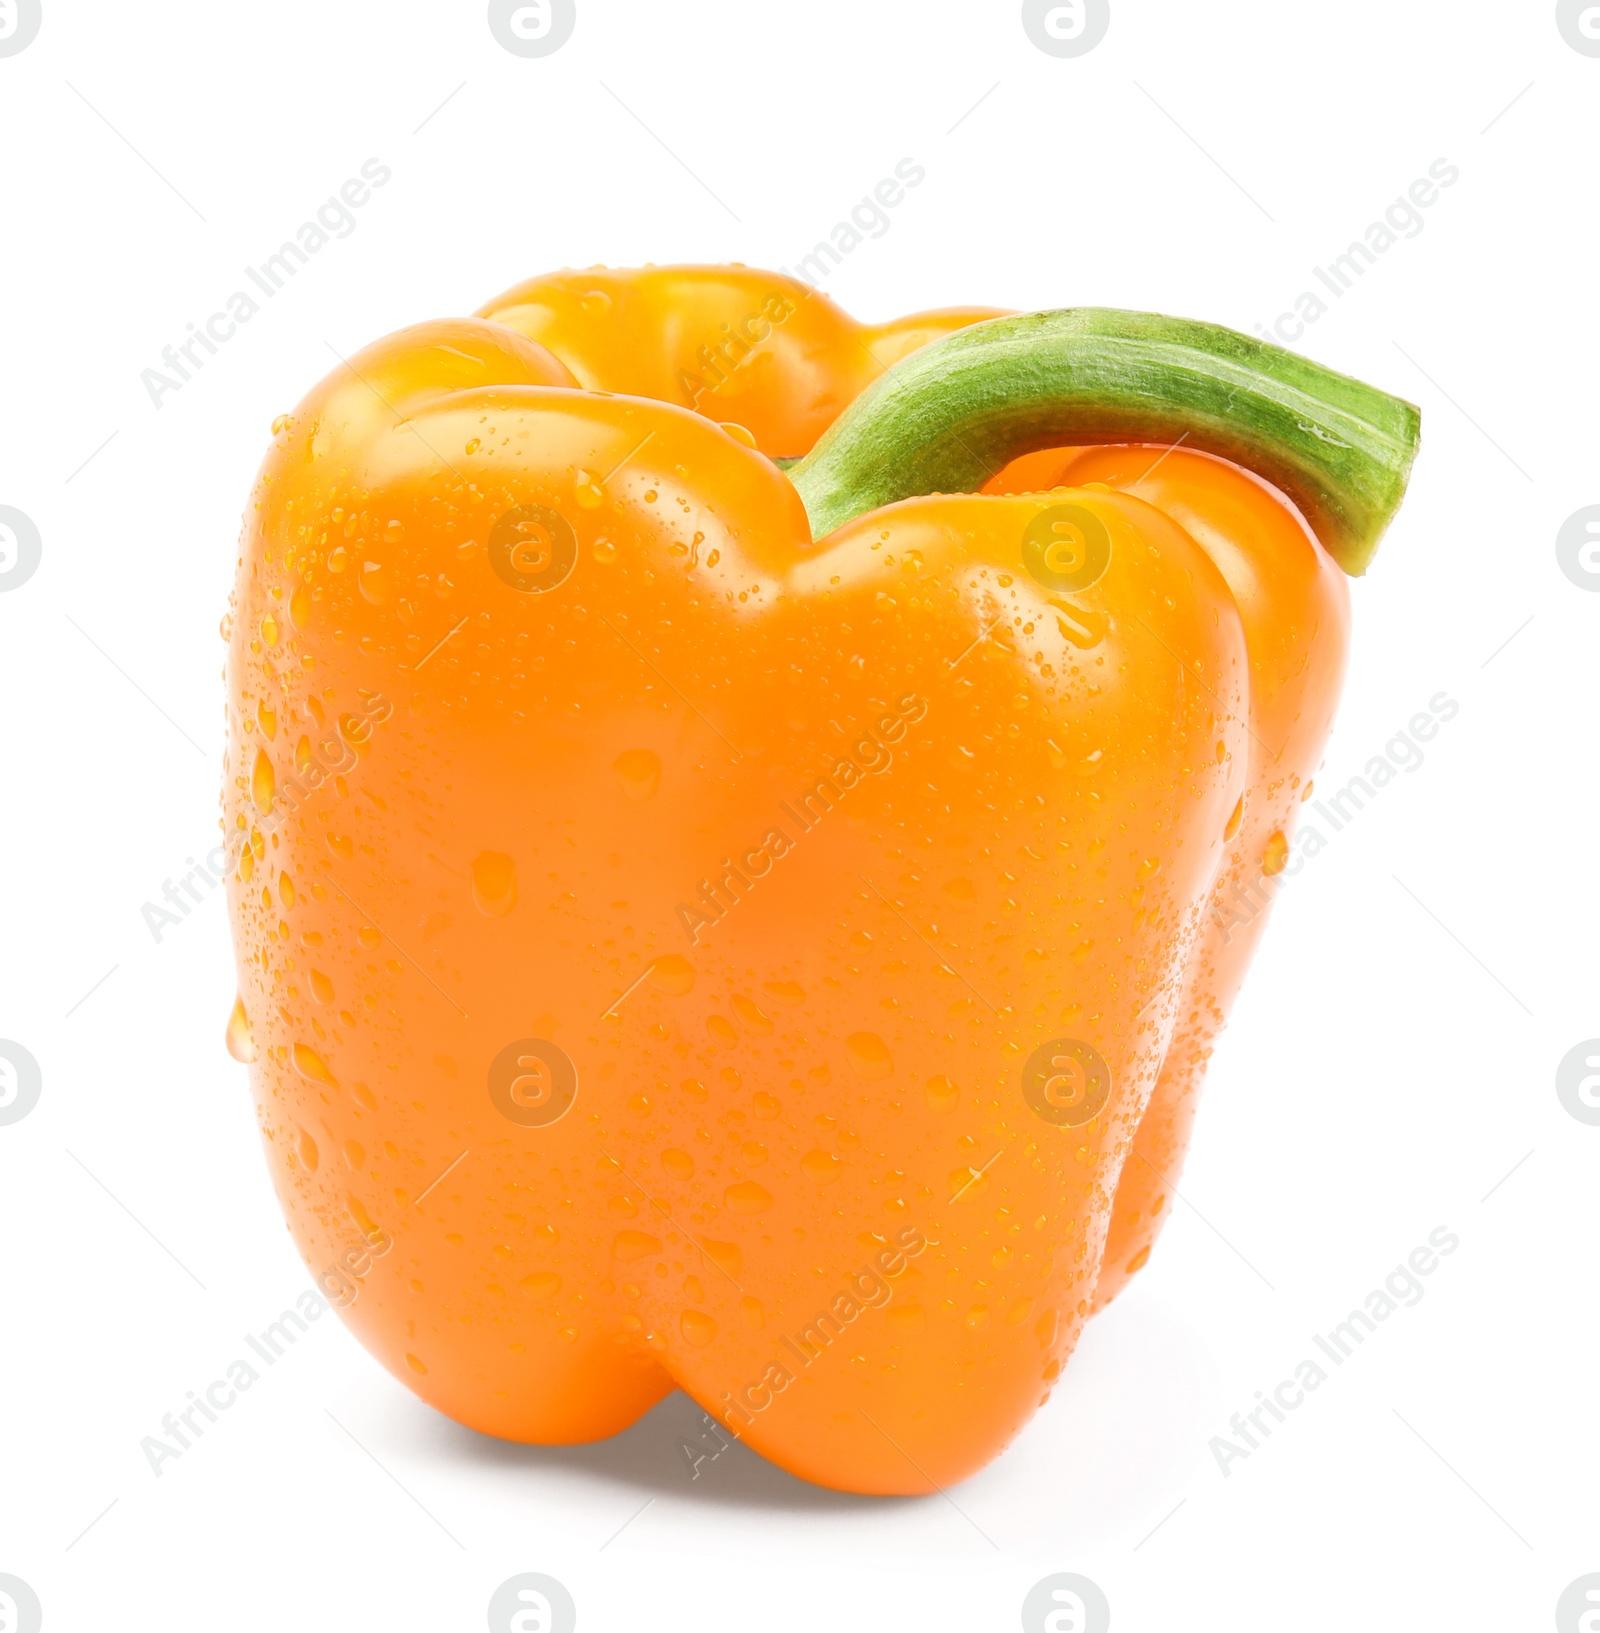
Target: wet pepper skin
{"type": "Point", "coordinates": [1295, 605]}
{"type": "Point", "coordinates": [551, 724]}
{"type": "Point", "coordinates": [733, 343]}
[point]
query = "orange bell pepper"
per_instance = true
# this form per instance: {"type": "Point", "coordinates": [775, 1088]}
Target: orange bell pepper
{"type": "Point", "coordinates": [708, 925]}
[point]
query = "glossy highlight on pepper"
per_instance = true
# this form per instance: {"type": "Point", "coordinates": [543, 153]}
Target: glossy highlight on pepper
{"type": "Point", "coordinates": [753, 930]}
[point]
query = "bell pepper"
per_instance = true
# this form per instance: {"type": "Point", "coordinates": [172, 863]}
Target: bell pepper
{"type": "Point", "coordinates": [701, 924]}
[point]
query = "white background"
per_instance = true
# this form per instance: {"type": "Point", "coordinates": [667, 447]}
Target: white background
{"type": "Point", "coordinates": [1393, 1056]}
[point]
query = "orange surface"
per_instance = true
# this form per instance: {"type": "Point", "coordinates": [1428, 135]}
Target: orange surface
{"type": "Point", "coordinates": [797, 851]}
{"type": "Point", "coordinates": [733, 343]}
{"type": "Point", "coordinates": [1295, 604]}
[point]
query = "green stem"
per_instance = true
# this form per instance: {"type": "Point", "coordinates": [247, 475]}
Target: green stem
{"type": "Point", "coordinates": [947, 417]}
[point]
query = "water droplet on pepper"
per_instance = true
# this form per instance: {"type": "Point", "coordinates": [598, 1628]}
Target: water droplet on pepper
{"type": "Point", "coordinates": [634, 1244]}
{"type": "Point", "coordinates": [697, 1327]}
{"type": "Point", "coordinates": [869, 1054]}
{"type": "Point", "coordinates": [494, 884]}
{"type": "Point", "coordinates": [724, 1255]}
{"type": "Point", "coordinates": [311, 1066]}
{"type": "Point", "coordinates": [639, 770]}
{"type": "Point", "coordinates": [747, 1197]}
{"type": "Point", "coordinates": [241, 1045]}
{"type": "Point", "coordinates": [263, 782]}
{"type": "Point", "coordinates": [672, 974]}
{"type": "Point", "coordinates": [822, 1166]}
{"type": "Point", "coordinates": [750, 1014]}
{"type": "Point", "coordinates": [376, 585]}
